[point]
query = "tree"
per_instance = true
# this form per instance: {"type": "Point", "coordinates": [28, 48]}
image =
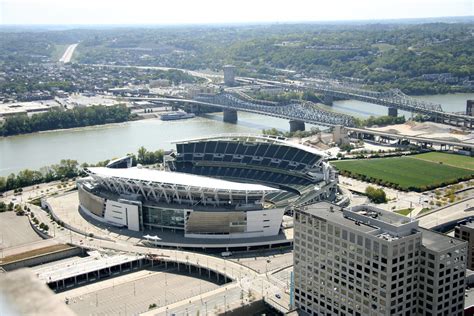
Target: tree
{"type": "Point", "coordinates": [376, 195]}
{"type": "Point", "coordinates": [141, 156]}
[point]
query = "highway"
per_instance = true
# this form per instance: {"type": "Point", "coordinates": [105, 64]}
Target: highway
{"type": "Point", "coordinates": [67, 56]}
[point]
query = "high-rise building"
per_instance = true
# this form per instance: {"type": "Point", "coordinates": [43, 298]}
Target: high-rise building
{"type": "Point", "coordinates": [470, 107]}
{"type": "Point", "coordinates": [466, 232]}
{"type": "Point", "coordinates": [229, 75]}
{"type": "Point", "coordinates": [367, 261]}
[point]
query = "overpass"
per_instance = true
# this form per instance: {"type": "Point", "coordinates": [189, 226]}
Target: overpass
{"type": "Point", "coordinates": [394, 99]}
{"type": "Point", "coordinates": [362, 133]}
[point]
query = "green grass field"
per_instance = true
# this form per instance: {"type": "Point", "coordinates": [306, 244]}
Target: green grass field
{"type": "Point", "coordinates": [408, 173]}
{"type": "Point", "coordinates": [458, 161]}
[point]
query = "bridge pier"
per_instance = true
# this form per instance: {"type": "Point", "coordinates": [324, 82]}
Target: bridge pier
{"type": "Point", "coordinates": [392, 112]}
{"type": "Point", "coordinates": [230, 116]}
{"type": "Point", "coordinates": [195, 108]}
{"type": "Point", "coordinates": [296, 126]}
{"type": "Point", "coordinates": [328, 99]}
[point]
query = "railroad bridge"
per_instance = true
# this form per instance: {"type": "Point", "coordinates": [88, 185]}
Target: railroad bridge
{"type": "Point", "coordinates": [297, 112]}
{"type": "Point", "coordinates": [394, 99]}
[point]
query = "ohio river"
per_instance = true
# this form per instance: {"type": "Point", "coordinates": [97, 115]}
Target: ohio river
{"type": "Point", "coordinates": [96, 143]}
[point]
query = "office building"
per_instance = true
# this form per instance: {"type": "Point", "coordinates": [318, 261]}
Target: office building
{"type": "Point", "coordinates": [367, 261]}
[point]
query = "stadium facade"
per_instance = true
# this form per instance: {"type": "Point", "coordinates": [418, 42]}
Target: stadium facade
{"type": "Point", "coordinates": [231, 186]}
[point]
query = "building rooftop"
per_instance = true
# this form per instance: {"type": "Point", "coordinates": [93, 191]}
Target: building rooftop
{"type": "Point", "coordinates": [365, 219]}
{"type": "Point", "coordinates": [176, 178]}
{"type": "Point", "coordinates": [77, 266]}
{"type": "Point", "coordinates": [468, 224]}
{"type": "Point", "coordinates": [323, 210]}
{"type": "Point", "coordinates": [439, 242]}
{"type": "Point", "coordinates": [391, 218]}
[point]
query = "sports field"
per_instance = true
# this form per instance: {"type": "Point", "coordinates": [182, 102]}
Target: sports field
{"type": "Point", "coordinates": [417, 172]}
{"type": "Point", "coordinates": [458, 161]}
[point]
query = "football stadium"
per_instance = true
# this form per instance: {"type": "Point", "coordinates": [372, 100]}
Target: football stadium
{"type": "Point", "coordinates": [223, 187]}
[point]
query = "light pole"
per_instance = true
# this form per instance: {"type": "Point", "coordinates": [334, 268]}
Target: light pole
{"type": "Point", "coordinates": [225, 301]}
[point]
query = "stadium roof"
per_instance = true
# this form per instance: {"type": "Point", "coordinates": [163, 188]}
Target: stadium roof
{"type": "Point", "coordinates": [177, 178]}
{"type": "Point", "coordinates": [256, 137]}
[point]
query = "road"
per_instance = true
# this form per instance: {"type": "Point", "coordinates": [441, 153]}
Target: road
{"type": "Point", "coordinates": [206, 76]}
{"type": "Point", "coordinates": [67, 56]}
{"type": "Point", "coordinates": [451, 213]}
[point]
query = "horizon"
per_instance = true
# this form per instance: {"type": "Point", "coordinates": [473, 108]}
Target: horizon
{"type": "Point", "coordinates": [207, 12]}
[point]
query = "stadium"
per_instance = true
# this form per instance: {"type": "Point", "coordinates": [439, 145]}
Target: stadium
{"type": "Point", "coordinates": [231, 187]}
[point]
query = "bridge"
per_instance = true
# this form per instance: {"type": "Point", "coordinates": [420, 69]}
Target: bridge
{"type": "Point", "coordinates": [444, 144]}
{"type": "Point", "coordinates": [297, 112]}
{"type": "Point", "coordinates": [394, 99]}
{"type": "Point", "coordinates": [300, 113]}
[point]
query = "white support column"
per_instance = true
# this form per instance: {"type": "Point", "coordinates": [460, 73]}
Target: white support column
{"type": "Point", "coordinates": [176, 193]}
{"type": "Point", "coordinates": [188, 193]}
{"type": "Point", "coordinates": [203, 196]}
{"type": "Point", "coordinates": [163, 191]}
{"type": "Point", "coordinates": [216, 197]}
{"type": "Point", "coordinates": [140, 186]}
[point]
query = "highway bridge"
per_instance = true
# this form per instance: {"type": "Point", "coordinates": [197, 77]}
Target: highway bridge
{"type": "Point", "coordinates": [445, 144]}
{"type": "Point", "coordinates": [299, 113]}
{"type": "Point", "coordinates": [394, 99]}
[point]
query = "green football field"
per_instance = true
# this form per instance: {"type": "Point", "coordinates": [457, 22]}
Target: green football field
{"type": "Point", "coordinates": [416, 172]}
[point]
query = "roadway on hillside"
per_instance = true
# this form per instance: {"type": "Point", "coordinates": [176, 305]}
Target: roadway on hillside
{"type": "Point", "coordinates": [67, 56]}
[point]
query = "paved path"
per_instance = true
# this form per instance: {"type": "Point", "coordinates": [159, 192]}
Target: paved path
{"type": "Point", "coordinates": [397, 199]}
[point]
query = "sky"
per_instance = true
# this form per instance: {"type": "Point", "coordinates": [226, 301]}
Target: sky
{"type": "Point", "coordinates": [86, 12]}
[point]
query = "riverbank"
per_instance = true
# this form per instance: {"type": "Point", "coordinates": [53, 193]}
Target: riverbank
{"type": "Point", "coordinates": [97, 143]}
{"type": "Point", "coordinates": [100, 142]}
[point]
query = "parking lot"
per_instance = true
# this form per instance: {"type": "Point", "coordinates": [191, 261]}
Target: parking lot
{"type": "Point", "coordinates": [15, 230]}
{"type": "Point", "coordinates": [133, 293]}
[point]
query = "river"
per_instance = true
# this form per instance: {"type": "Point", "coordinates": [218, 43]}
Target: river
{"type": "Point", "coordinates": [96, 143]}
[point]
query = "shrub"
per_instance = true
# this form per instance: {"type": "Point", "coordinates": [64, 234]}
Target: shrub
{"type": "Point", "coordinates": [376, 195]}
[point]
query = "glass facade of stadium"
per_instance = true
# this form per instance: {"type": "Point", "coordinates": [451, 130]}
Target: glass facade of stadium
{"type": "Point", "coordinates": [157, 217]}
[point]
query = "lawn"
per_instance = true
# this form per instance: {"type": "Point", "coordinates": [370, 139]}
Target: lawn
{"type": "Point", "coordinates": [459, 161]}
{"type": "Point", "coordinates": [404, 212]}
{"type": "Point", "coordinates": [406, 173]}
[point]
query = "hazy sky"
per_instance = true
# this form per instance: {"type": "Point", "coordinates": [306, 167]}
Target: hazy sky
{"type": "Point", "coordinates": [215, 11]}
